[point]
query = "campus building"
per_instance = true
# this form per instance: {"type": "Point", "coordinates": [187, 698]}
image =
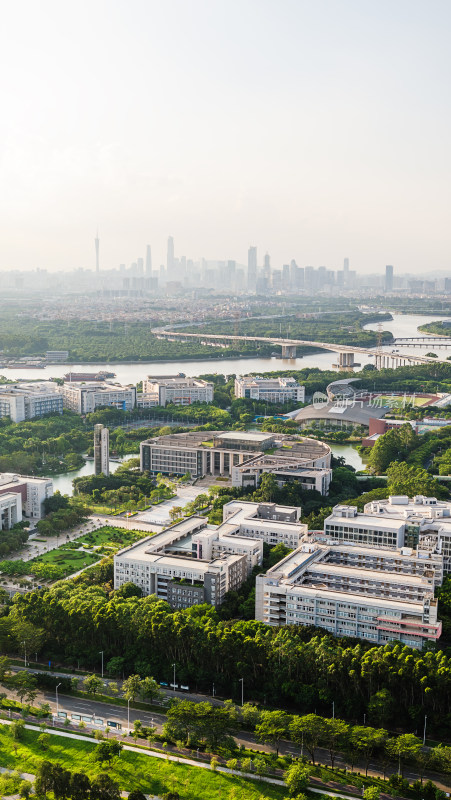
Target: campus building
{"type": "Point", "coordinates": [32, 492]}
{"type": "Point", "coordinates": [269, 390]}
{"type": "Point", "coordinates": [242, 456]}
{"type": "Point", "coordinates": [10, 510]}
{"type": "Point", "coordinates": [84, 398]}
{"type": "Point", "coordinates": [189, 563]}
{"type": "Point", "coordinates": [373, 594]}
{"type": "Point", "coordinates": [175, 389]}
{"type": "Point", "coordinates": [23, 401]}
{"type": "Point", "coordinates": [269, 522]}
{"type": "Point", "coordinates": [101, 450]}
{"type": "Point", "coordinates": [426, 521]}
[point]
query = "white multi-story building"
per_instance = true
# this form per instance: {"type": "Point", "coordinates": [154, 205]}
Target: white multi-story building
{"type": "Point", "coordinates": [33, 492]}
{"type": "Point", "coordinates": [269, 522]}
{"type": "Point", "coordinates": [243, 456]}
{"type": "Point", "coordinates": [10, 510]}
{"type": "Point", "coordinates": [373, 594]}
{"type": "Point", "coordinates": [177, 390]}
{"type": "Point", "coordinates": [84, 398]}
{"type": "Point", "coordinates": [23, 401]}
{"type": "Point", "coordinates": [188, 563]}
{"type": "Point", "coordinates": [270, 390]}
{"type": "Point", "coordinates": [426, 520]}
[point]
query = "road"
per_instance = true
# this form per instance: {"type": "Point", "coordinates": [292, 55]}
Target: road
{"type": "Point", "coordinates": [120, 714]}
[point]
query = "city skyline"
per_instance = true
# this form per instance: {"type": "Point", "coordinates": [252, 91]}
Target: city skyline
{"type": "Point", "coordinates": [315, 130]}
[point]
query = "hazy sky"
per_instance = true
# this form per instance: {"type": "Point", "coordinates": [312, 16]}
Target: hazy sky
{"type": "Point", "coordinates": [314, 129]}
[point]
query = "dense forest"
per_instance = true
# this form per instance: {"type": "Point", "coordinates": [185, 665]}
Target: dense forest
{"type": "Point", "coordinates": [299, 667]}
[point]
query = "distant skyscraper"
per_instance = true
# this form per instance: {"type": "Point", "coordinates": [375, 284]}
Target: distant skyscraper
{"type": "Point", "coordinates": [389, 278]}
{"type": "Point", "coordinates": [148, 259]}
{"type": "Point", "coordinates": [97, 243]}
{"type": "Point", "coordinates": [101, 450]}
{"type": "Point", "coordinates": [346, 265]}
{"type": "Point", "coordinates": [252, 268]}
{"type": "Point", "coordinates": [170, 258]}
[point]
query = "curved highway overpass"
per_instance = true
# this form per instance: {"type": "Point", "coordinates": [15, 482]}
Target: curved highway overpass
{"type": "Point", "coordinates": [346, 352]}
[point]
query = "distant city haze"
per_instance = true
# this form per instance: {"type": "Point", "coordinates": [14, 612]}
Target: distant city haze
{"type": "Point", "coordinates": [313, 131]}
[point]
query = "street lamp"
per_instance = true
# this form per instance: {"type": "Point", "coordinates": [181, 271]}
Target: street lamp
{"type": "Point", "coordinates": [24, 653]}
{"type": "Point", "coordinates": [128, 714]}
{"type": "Point", "coordinates": [213, 690]}
{"type": "Point", "coordinates": [56, 690]}
{"type": "Point", "coordinates": [424, 731]}
{"type": "Point", "coordinates": [101, 654]}
{"type": "Point", "coordinates": [333, 709]}
{"type": "Point", "coordinates": [174, 676]}
{"type": "Point", "coordinates": [242, 691]}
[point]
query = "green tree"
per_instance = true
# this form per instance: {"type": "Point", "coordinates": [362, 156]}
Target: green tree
{"type": "Point", "coordinates": [107, 750]}
{"type": "Point", "coordinates": [24, 685]}
{"type": "Point", "coordinates": [80, 786]}
{"type": "Point", "coordinates": [44, 741]}
{"type": "Point", "coordinates": [272, 728]}
{"type": "Point", "coordinates": [307, 732]}
{"type": "Point", "coordinates": [297, 778]}
{"type": "Point", "coordinates": [93, 684]}
{"type": "Point", "coordinates": [335, 737]}
{"type": "Point", "coordinates": [403, 747]}
{"type": "Point", "coordinates": [371, 793]}
{"type": "Point", "coordinates": [150, 690]}
{"type": "Point", "coordinates": [17, 729]}
{"type": "Point", "coordinates": [367, 741]}
{"type": "Point", "coordinates": [44, 778]}
{"type": "Point", "coordinates": [137, 795]}
{"type": "Point", "coordinates": [132, 687]}
{"type": "Point", "coordinates": [104, 788]}
{"type": "Point", "coordinates": [410, 480]}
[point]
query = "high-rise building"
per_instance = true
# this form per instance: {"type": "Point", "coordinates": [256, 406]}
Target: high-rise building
{"type": "Point", "coordinates": [389, 278]}
{"type": "Point", "coordinates": [252, 269]}
{"type": "Point", "coordinates": [97, 244]}
{"type": "Point", "coordinates": [148, 259]}
{"type": "Point", "coordinates": [170, 258]}
{"type": "Point", "coordinates": [101, 450]}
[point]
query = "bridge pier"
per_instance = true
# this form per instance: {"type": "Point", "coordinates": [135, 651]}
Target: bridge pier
{"type": "Point", "coordinates": [346, 360]}
{"type": "Point", "coordinates": [288, 351]}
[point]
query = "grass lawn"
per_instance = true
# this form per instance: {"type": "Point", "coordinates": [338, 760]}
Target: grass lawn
{"type": "Point", "coordinates": [133, 770]}
{"type": "Point", "coordinates": [399, 402]}
{"type": "Point", "coordinates": [70, 558]}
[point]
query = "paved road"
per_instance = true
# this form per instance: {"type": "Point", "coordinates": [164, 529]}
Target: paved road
{"type": "Point", "coordinates": [120, 714]}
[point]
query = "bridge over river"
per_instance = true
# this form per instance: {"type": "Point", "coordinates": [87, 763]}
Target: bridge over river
{"type": "Point", "coordinates": [346, 353]}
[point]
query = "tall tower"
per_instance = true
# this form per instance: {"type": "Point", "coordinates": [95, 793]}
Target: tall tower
{"type": "Point", "coordinates": [97, 243]}
{"type": "Point", "coordinates": [170, 258]}
{"type": "Point", "coordinates": [252, 269]}
{"type": "Point", "coordinates": [101, 450]}
{"type": "Point", "coordinates": [389, 278]}
{"type": "Point", "coordinates": [148, 260]}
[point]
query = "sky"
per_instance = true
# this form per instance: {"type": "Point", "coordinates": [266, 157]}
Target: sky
{"type": "Point", "coordinates": [313, 129]}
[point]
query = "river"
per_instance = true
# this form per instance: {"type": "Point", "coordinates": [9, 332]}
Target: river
{"type": "Point", "coordinates": [401, 325]}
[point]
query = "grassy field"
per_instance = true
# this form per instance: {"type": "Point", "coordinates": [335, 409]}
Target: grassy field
{"type": "Point", "coordinates": [69, 557]}
{"type": "Point", "coordinates": [401, 401]}
{"type": "Point", "coordinates": [133, 770]}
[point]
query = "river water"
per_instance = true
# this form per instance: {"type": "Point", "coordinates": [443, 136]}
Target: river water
{"type": "Point", "coordinates": [401, 325]}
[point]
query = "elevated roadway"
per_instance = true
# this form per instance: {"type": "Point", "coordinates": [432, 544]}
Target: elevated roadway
{"type": "Point", "coordinates": [346, 353]}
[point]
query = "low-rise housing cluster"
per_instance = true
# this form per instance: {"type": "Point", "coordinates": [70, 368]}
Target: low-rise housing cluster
{"type": "Point", "coordinates": [243, 456]}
